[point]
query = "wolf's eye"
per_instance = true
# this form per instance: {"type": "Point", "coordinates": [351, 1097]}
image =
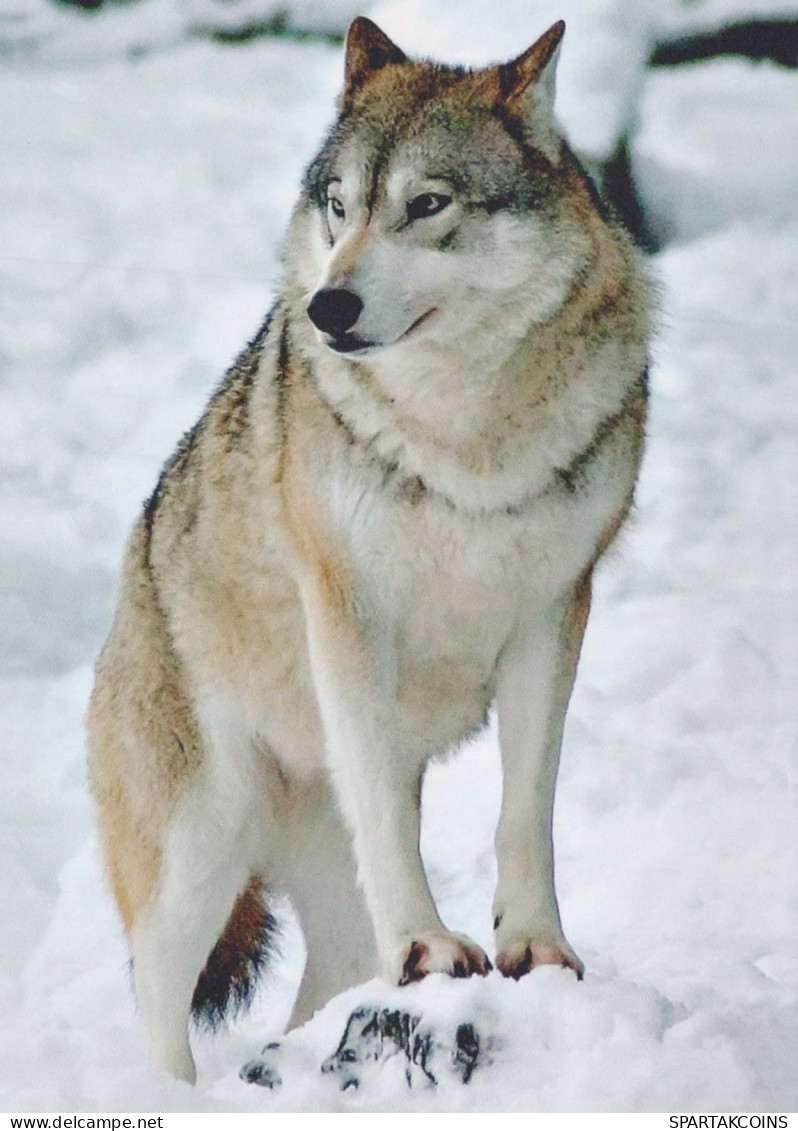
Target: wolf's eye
{"type": "Point", "coordinates": [427, 204]}
{"type": "Point", "coordinates": [336, 208]}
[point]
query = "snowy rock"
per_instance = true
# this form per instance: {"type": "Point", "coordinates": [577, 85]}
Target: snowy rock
{"type": "Point", "coordinates": [375, 1035]}
{"type": "Point", "coordinates": [376, 1039]}
{"type": "Point", "coordinates": [263, 1071]}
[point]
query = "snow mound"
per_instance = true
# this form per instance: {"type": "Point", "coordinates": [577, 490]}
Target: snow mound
{"type": "Point", "coordinates": [547, 1043]}
{"type": "Point", "coordinates": [682, 18]}
{"type": "Point", "coordinates": [716, 143]}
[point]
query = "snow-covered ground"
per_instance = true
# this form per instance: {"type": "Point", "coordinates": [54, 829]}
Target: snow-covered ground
{"type": "Point", "coordinates": [715, 143]}
{"type": "Point", "coordinates": [142, 199]}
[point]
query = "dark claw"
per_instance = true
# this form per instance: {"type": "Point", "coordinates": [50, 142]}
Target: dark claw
{"type": "Point", "coordinates": [459, 969]}
{"type": "Point", "coordinates": [410, 971]}
{"type": "Point", "coordinates": [525, 965]}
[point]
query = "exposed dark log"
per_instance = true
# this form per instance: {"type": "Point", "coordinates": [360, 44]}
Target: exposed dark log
{"type": "Point", "coordinates": [776, 40]}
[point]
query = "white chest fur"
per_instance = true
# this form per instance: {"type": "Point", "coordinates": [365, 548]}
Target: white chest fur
{"type": "Point", "coordinates": [448, 587]}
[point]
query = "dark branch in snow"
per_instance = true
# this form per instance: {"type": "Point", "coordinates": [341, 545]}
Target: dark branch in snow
{"type": "Point", "coordinates": [776, 40]}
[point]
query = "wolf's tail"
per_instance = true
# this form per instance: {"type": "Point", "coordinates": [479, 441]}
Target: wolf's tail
{"type": "Point", "coordinates": [227, 985]}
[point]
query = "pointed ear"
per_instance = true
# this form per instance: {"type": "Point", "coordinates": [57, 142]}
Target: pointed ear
{"type": "Point", "coordinates": [530, 77]}
{"type": "Point", "coordinates": [367, 50]}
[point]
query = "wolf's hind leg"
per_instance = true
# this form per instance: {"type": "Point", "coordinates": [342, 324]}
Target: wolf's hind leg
{"type": "Point", "coordinates": [322, 882]}
{"type": "Point", "coordinates": [203, 871]}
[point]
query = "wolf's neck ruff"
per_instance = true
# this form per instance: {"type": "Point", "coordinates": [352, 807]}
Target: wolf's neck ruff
{"type": "Point", "coordinates": [496, 435]}
{"type": "Point", "coordinates": [414, 487]}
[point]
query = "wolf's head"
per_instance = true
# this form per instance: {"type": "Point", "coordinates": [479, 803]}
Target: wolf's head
{"type": "Point", "coordinates": [440, 197]}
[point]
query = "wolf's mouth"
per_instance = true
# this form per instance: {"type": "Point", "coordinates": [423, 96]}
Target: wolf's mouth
{"type": "Point", "coordinates": [351, 344]}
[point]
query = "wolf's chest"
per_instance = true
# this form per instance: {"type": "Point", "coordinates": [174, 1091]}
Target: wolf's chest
{"type": "Point", "coordinates": [452, 585]}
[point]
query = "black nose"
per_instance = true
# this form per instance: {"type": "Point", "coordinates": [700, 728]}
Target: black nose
{"type": "Point", "coordinates": [334, 311]}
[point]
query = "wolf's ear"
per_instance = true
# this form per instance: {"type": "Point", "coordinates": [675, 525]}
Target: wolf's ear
{"type": "Point", "coordinates": [529, 79]}
{"type": "Point", "coordinates": [367, 50]}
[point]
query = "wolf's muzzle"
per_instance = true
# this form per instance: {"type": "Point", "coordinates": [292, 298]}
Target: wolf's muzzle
{"type": "Point", "coordinates": [334, 311]}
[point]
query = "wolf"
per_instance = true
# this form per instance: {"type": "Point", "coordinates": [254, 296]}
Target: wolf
{"type": "Point", "coordinates": [385, 522]}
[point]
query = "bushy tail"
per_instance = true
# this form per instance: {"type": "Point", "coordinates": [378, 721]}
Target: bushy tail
{"type": "Point", "coordinates": [227, 985]}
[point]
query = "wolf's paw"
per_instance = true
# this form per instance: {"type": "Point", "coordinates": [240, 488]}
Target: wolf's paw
{"type": "Point", "coordinates": [520, 952]}
{"type": "Point", "coordinates": [437, 953]}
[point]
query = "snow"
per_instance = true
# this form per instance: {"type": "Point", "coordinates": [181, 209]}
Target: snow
{"type": "Point", "coordinates": [728, 114]}
{"type": "Point", "coordinates": [38, 32]}
{"type": "Point", "coordinates": [141, 205]}
{"type": "Point", "coordinates": [606, 45]}
{"type": "Point", "coordinates": [697, 17]}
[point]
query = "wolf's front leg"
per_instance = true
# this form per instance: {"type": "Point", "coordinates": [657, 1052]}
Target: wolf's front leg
{"type": "Point", "coordinates": [535, 678]}
{"type": "Point", "coordinates": [353, 665]}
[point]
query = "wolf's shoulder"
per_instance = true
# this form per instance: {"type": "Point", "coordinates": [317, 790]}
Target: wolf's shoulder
{"type": "Point", "coordinates": [223, 429]}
